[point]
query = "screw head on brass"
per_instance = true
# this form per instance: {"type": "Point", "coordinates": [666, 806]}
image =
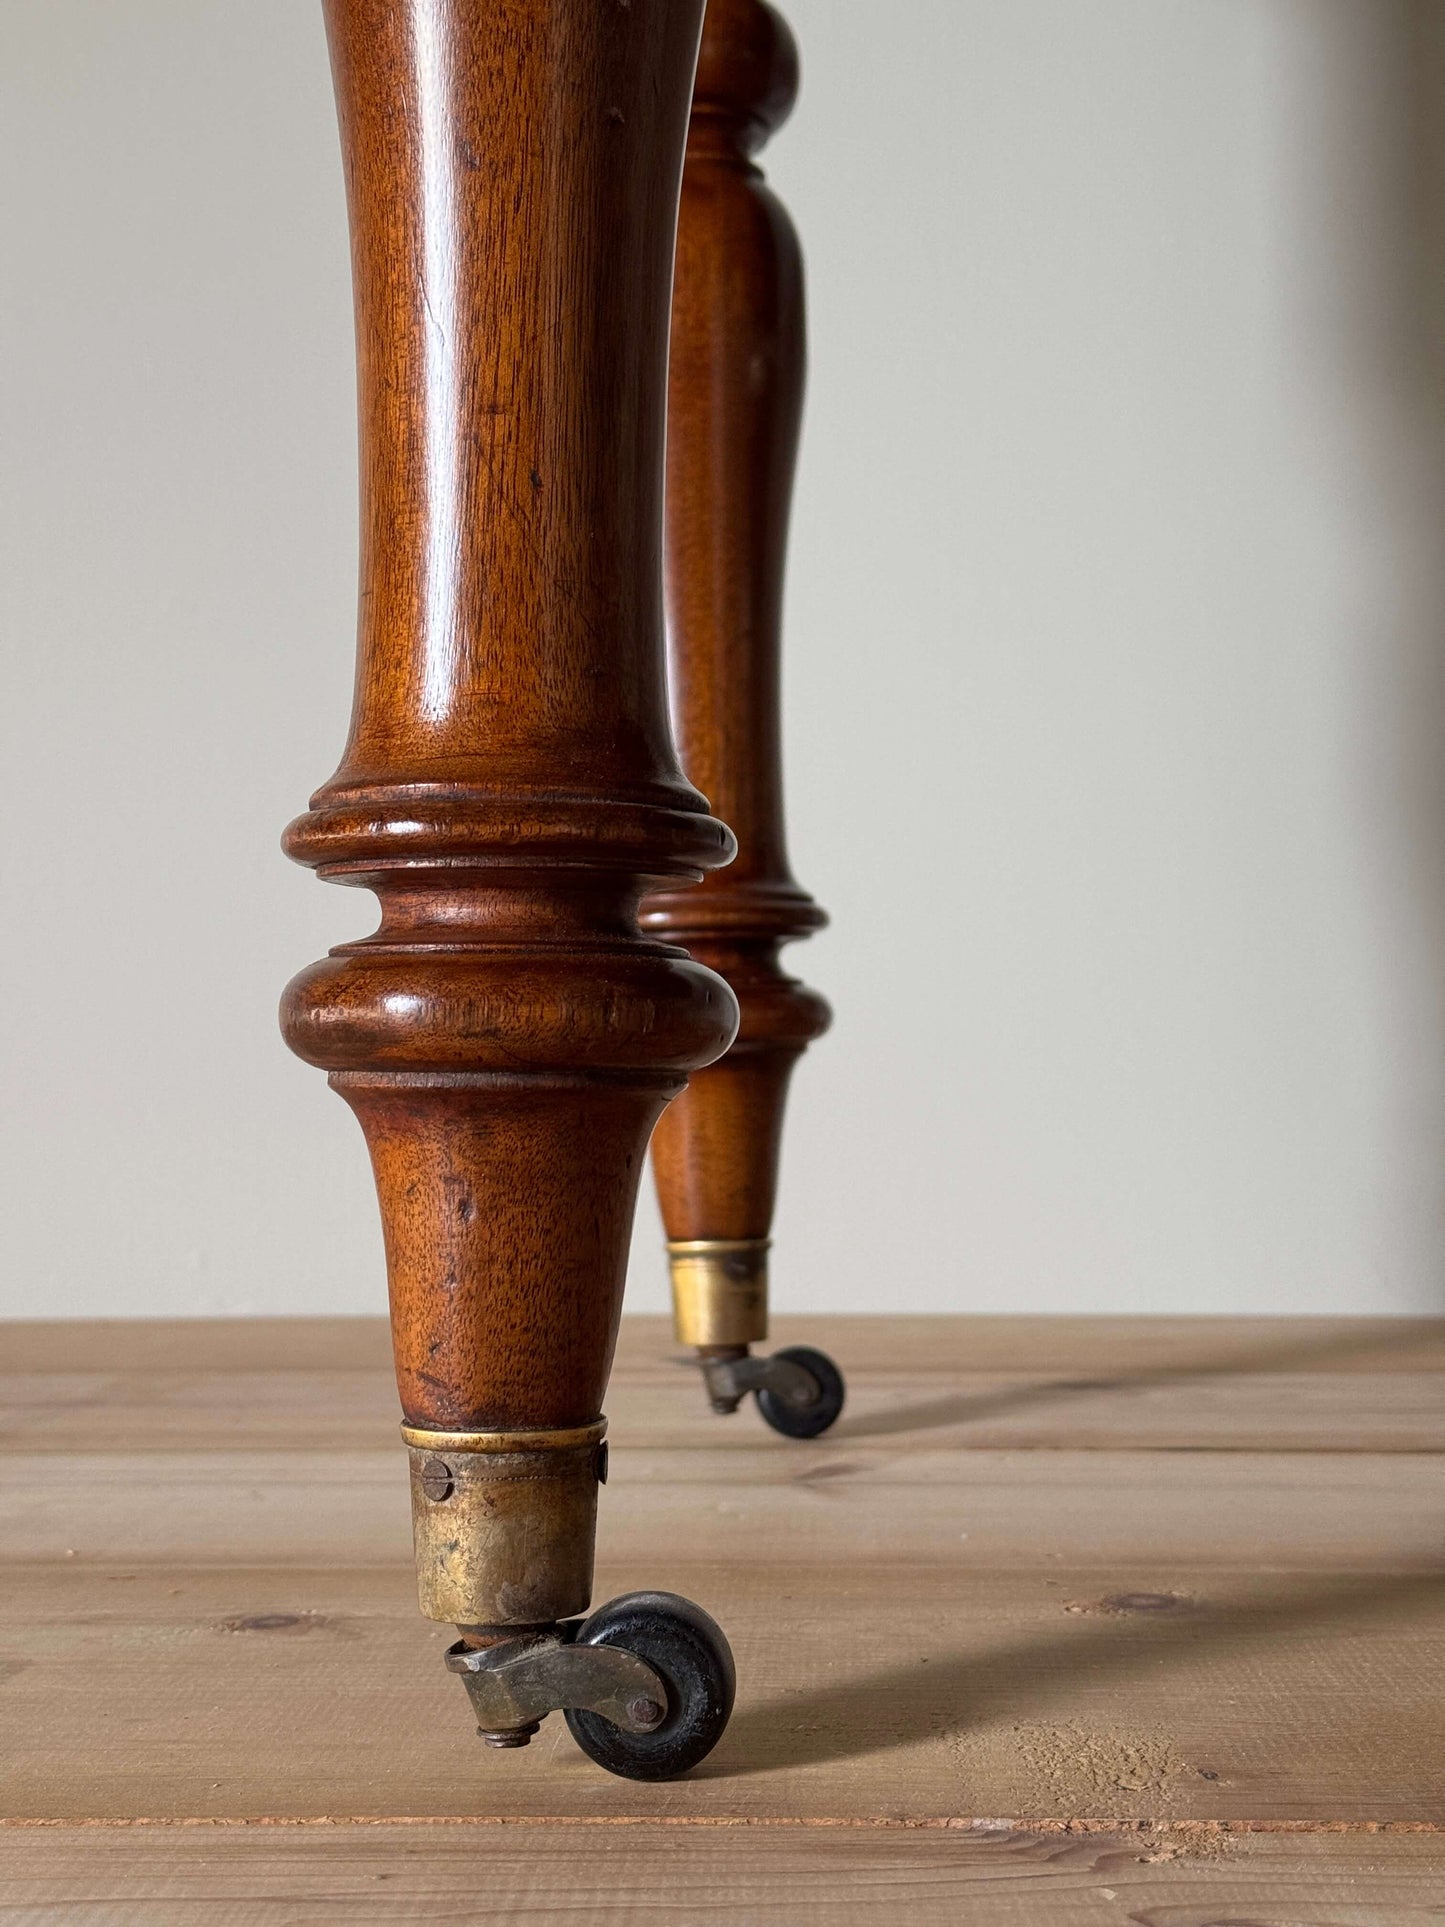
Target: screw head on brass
{"type": "Point", "coordinates": [436, 1480]}
{"type": "Point", "coordinates": [645, 1712]}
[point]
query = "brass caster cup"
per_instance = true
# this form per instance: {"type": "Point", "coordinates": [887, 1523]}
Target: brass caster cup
{"type": "Point", "coordinates": [719, 1290]}
{"type": "Point", "coordinates": [505, 1523]}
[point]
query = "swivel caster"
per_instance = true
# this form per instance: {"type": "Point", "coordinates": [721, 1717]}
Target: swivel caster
{"type": "Point", "coordinates": [799, 1391]}
{"type": "Point", "coordinates": [720, 1310]}
{"type": "Point", "coordinates": [646, 1684]}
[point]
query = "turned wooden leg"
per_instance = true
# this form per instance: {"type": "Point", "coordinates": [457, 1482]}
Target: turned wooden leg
{"type": "Point", "coordinates": [735, 392]}
{"type": "Point", "coordinates": [508, 1036]}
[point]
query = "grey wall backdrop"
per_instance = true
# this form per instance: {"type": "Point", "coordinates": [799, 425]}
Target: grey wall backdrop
{"type": "Point", "coordinates": [1116, 632]}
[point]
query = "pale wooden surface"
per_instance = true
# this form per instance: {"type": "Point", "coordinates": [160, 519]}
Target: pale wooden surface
{"type": "Point", "coordinates": [384, 1876]}
{"type": "Point", "coordinates": [1094, 1620]}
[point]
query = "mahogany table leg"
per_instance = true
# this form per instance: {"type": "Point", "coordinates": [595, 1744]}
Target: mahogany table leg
{"type": "Point", "coordinates": [508, 1036]}
{"type": "Point", "coordinates": [734, 401]}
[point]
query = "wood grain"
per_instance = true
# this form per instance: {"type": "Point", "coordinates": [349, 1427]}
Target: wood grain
{"type": "Point", "coordinates": [1110, 1348]}
{"type": "Point", "coordinates": [811, 1509]}
{"type": "Point", "coordinates": [1129, 1683]}
{"type": "Point", "coordinates": [1065, 1384]}
{"type": "Point", "coordinates": [1053, 1693]}
{"type": "Point", "coordinates": [551, 1876]}
{"type": "Point", "coordinates": [890, 1414]}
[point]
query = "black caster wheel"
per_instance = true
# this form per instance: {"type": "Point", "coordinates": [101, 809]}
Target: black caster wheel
{"type": "Point", "coordinates": [797, 1421]}
{"type": "Point", "coordinates": [687, 1649]}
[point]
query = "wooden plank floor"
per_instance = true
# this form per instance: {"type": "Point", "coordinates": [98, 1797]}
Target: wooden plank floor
{"type": "Point", "coordinates": [1068, 1620]}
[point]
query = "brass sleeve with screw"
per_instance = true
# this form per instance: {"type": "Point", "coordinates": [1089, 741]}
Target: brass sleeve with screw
{"type": "Point", "coordinates": [505, 1523]}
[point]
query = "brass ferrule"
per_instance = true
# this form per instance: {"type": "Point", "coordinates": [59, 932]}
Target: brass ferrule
{"type": "Point", "coordinates": [505, 1523]}
{"type": "Point", "coordinates": [719, 1290]}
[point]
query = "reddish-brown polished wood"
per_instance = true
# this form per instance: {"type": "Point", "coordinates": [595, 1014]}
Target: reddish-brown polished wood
{"type": "Point", "coordinates": [508, 1036]}
{"type": "Point", "coordinates": [734, 403]}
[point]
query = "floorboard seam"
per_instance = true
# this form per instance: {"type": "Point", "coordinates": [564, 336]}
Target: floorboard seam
{"type": "Point", "coordinates": [1152, 1828]}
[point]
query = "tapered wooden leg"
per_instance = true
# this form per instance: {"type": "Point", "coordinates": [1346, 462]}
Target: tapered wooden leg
{"type": "Point", "coordinates": [734, 401]}
{"type": "Point", "coordinates": [508, 1036]}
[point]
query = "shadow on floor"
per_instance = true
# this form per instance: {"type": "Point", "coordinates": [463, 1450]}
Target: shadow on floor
{"type": "Point", "coordinates": [944, 1696]}
{"type": "Point", "coordinates": [1242, 1356]}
